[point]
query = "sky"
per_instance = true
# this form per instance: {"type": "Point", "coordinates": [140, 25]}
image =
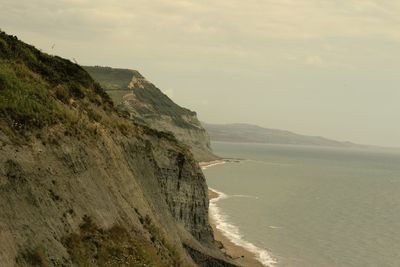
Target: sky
{"type": "Point", "coordinates": [317, 67]}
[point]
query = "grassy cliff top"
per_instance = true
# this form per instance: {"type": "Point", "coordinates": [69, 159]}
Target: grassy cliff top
{"type": "Point", "coordinates": [48, 96]}
{"type": "Point", "coordinates": [150, 100]}
{"type": "Point", "coordinates": [112, 78]}
{"type": "Point", "coordinates": [38, 90]}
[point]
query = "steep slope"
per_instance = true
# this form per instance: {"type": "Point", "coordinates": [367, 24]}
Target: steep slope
{"type": "Point", "coordinates": [80, 185]}
{"type": "Point", "coordinates": [247, 133]}
{"type": "Point", "coordinates": [147, 104]}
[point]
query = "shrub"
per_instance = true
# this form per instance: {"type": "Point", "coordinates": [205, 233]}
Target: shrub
{"type": "Point", "coordinates": [36, 257]}
{"type": "Point", "coordinates": [116, 246]}
{"type": "Point", "coordinates": [25, 103]}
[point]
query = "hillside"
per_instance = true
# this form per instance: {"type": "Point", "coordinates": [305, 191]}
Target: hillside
{"type": "Point", "coordinates": [82, 185]}
{"type": "Point", "coordinates": [148, 105]}
{"type": "Point", "coordinates": [247, 133]}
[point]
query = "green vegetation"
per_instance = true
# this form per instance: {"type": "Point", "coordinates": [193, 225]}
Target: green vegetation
{"type": "Point", "coordinates": [49, 97]}
{"type": "Point", "coordinates": [117, 95]}
{"type": "Point", "coordinates": [151, 102]}
{"type": "Point", "coordinates": [25, 102]}
{"type": "Point", "coordinates": [160, 102]}
{"type": "Point", "coordinates": [38, 90]}
{"type": "Point", "coordinates": [110, 78]}
{"type": "Point", "coordinates": [36, 257]}
{"type": "Point", "coordinates": [157, 237]}
{"type": "Point", "coordinates": [117, 246]}
{"type": "Point", "coordinates": [114, 81]}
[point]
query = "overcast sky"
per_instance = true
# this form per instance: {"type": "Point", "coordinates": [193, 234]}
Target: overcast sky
{"type": "Point", "coordinates": [317, 67]}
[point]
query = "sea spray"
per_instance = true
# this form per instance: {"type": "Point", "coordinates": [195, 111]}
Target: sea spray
{"type": "Point", "coordinates": [232, 232]}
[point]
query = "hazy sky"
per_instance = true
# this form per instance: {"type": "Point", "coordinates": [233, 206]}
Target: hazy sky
{"type": "Point", "coordinates": [318, 67]}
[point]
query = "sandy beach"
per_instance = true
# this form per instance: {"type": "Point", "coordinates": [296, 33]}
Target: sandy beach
{"type": "Point", "coordinates": [240, 255]}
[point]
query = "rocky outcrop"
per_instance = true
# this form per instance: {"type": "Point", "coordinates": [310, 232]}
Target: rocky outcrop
{"type": "Point", "coordinates": [81, 185]}
{"type": "Point", "coordinates": [148, 105]}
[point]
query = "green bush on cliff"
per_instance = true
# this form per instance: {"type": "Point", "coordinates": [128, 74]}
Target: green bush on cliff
{"type": "Point", "coordinates": [94, 246]}
{"type": "Point", "coordinates": [25, 102]}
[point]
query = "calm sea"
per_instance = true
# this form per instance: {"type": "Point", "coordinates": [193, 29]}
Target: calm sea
{"type": "Point", "coordinates": [310, 206]}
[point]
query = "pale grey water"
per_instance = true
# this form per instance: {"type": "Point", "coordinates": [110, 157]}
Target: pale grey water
{"type": "Point", "coordinates": [313, 206]}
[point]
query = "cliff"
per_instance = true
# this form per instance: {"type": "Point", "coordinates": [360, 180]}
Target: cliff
{"type": "Point", "coordinates": [81, 185]}
{"type": "Point", "coordinates": [148, 105]}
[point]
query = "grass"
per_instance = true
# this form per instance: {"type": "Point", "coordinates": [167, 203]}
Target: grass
{"type": "Point", "coordinates": [94, 246]}
{"type": "Point", "coordinates": [116, 82]}
{"type": "Point", "coordinates": [39, 90]}
{"type": "Point", "coordinates": [24, 101]}
{"type": "Point", "coordinates": [110, 78]}
{"type": "Point", "coordinates": [117, 95]}
{"type": "Point", "coordinates": [156, 236]}
{"type": "Point", "coordinates": [36, 257]}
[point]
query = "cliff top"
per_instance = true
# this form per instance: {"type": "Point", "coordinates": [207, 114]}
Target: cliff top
{"type": "Point", "coordinates": [40, 91]}
{"type": "Point", "coordinates": [112, 78]}
{"type": "Point", "coordinates": [36, 88]}
{"type": "Point", "coordinates": [149, 100]}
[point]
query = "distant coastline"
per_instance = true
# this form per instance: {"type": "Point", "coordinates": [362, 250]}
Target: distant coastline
{"type": "Point", "coordinates": [248, 133]}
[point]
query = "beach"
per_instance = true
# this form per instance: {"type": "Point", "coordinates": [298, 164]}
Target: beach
{"type": "Point", "coordinates": [240, 255]}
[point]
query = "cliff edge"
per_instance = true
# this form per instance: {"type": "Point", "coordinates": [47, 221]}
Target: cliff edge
{"type": "Point", "coordinates": [82, 185]}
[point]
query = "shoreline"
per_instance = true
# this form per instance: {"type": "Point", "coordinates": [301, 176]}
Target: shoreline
{"type": "Point", "coordinates": [206, 164]}
{"type": "Point", "coordinates": [239, 254]}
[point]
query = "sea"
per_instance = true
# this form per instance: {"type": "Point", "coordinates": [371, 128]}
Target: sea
{"type": "Point", "coordinates": [309, 206]}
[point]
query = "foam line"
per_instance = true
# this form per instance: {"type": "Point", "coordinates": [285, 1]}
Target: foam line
{"type": "Point", "coordinates": [232, 232]}
{"type": "Point", "coordinates": [213, 164]}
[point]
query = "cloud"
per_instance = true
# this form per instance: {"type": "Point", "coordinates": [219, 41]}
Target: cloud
{"type": "Point", "coordinates": [254, 33]}
{"type": "Point", "coordinates": [219, 31]}
{"type": "Point", "coordinates": [253, 18]}
{"type": "Point", "coordinates": [214, 49]}
{"type": "Point", "coordinates": [314, 61]}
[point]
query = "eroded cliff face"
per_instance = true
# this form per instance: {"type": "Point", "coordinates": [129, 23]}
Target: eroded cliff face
{"type": "Point", "coordinates": [49, 187]}
{"type": "Point", "coordinates": [81, 185]}
{"type": "Point", "coordinates": [148, 105]}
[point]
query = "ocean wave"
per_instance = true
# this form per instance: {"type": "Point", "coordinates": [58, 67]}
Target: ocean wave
{"type": "Point", "coordinates": [232, 232]}
{"type": "Point", "coordinates": [213, 164]}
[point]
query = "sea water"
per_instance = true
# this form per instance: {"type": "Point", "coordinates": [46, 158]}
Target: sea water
{"type": "Point", "coordinates": [309, 206]}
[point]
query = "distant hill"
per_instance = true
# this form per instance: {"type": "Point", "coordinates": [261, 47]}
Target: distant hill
{"type": "Point", "coordinates": [148, 105]}
{"type": "Point", "coordinates": [247, 133]}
